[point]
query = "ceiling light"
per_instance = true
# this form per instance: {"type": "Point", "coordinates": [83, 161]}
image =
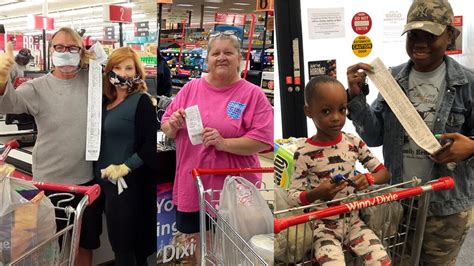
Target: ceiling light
{"type": "Point", "coordinates": [214, 1]}
{"type": "Point", "coordinates": [16, 6]}
{"type": "Point", "coordinates": [128, 5]}
{"type": "Point", "coordinates": [241, 4]}
{"type": "Point", "coordinates": [184, 5]}
{"type": "Point", "coordinates": [211, 7]}
{"type": "Point", "coordinates": [138, 16]}
{"type": "Point", "coordinates": [236, 9]}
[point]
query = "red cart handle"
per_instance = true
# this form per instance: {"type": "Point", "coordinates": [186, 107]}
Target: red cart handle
{"type": "Point", "coordinates": [11, 144]}
{"type": "Point", "coordinates": [92, 191]}
{"type": "Point", "coordinates": [226, 171]}
{"type": "Point", "coordinates": [280, 224]}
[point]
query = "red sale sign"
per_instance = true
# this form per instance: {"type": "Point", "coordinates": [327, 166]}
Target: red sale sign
{"type": "Point", "coordinates": [116, 13]}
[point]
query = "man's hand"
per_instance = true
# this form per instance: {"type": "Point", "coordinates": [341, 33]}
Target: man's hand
{"type": "Point", "coordinates": [355, 76]}
{"type": "Point", "coordinates": [6, 64]}
{"type": "Point", "coordinates": [458, 149]}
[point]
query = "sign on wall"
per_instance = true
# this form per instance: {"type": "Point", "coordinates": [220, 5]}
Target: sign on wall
{"type": "Point", "coordinates": [116, 13]}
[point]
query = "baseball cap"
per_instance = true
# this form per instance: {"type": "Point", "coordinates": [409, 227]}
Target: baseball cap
{"type": "Point", "coordinates": [429, 15]}
{"type": "Point", "coordinates": [26, 53]}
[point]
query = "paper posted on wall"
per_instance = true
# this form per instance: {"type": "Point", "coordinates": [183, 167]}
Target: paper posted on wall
{"type": "Point", "coordinates": [405, 112]}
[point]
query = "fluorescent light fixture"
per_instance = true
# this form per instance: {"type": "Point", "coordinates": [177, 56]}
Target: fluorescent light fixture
{"type": "Point", "coordinates": [128, 5]}
{"type": "Point", "coordinates": [211, 7]}
{"type": "Point", "coordinates": [236, 9]}
{"type": "Point", "coordinates": [241, 4]}
{"type": "Point", "coordinates": [76, 12]}
{"type": "Point", "coordinates": [185, 5]}
{"type": "Point", "coordinates": [13, 20]}
{"type": "Point", "coordinates": [214, 1]}
{"type": "Point", "coordinates": [138, 16]}
{"type": "Point", "coordinates": [19, 5]}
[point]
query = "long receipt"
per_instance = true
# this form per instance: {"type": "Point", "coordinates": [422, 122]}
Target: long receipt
{"type": "Point", "coordinates": [194, 124]}
{"type": "Point", "coordinates": [94, 111]}
{"type": "Point", "coordinates": [403, 109]}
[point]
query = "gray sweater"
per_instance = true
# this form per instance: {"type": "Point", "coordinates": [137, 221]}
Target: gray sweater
{"type": "Point", "coordinates": [60, 111]}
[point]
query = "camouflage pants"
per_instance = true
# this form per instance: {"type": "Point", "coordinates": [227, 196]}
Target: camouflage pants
{"type": "Point", "coordinates": [443, 238]}
{"type": "Point", "coordinates": [331, 235]}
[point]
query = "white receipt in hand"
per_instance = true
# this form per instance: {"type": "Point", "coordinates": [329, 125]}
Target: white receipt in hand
{"type": "Point", "coordinates": [194, 124]}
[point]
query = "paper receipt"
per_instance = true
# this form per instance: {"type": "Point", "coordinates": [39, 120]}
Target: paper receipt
{"type": "Point", "coordinates": [194, 124]}
{"type": "Point", "coordinates": [402, 107]}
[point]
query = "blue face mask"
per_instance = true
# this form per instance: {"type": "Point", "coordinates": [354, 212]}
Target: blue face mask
{"type": "Point", "coordinates": [65, 59]}
{"type": "Point", "coordinates": [119, 81]}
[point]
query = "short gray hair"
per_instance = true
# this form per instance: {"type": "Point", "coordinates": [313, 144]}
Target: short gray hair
{"type": "Point", "coordinates": [234, 39]}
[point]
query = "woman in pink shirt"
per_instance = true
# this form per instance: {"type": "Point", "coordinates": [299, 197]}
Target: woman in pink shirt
{"type": "Point", "coordinates": [237, 120]}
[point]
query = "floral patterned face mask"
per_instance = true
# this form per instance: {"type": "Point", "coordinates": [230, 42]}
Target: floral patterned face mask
{"type": "Point", "coordinates": [119, 81]}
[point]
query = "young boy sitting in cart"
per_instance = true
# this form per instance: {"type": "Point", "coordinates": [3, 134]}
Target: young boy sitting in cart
{"type": "Point", "coordinates": [329, 153]}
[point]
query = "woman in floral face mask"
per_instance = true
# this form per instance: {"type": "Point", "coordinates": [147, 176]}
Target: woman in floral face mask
{"type": "Point", "coordinates": [128, 147]}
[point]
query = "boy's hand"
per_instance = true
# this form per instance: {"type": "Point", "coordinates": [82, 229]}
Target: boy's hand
{"type": "Point", "coordinates": [360, 181]}
{"type": "Point", "coordinates": [327, 190]}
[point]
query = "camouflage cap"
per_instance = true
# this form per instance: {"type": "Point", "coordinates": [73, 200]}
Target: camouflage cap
{"type": "Point", "coordinates": [429, 15]}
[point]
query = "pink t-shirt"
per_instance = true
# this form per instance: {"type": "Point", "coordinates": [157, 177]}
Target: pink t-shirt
{"type": "Point", "coordinates": [238, 110]}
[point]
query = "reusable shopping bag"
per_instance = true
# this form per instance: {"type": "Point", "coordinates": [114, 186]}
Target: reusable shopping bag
{"type": "Point", "coordinates": [24, 223]}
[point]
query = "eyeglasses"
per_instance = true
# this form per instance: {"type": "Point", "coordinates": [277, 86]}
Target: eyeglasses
{"type": "Point", "coordinates": [229, 33]}
{"type": "Point", "coordinates": [61, 48]}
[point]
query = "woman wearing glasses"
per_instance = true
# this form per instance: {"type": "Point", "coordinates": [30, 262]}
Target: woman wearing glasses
{"type": "Point", "coordinates": [237, 120]}
{"type": "Point", "coordinates": [128, 148]}
{"type": "Point", "coordinates": [58, 102]}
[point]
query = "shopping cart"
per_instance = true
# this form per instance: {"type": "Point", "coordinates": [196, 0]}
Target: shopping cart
{"type": "Point", "coordinates": [71, 216]}
{"type": "Point", "coordinates": [403, 245]}
{"type": "Point", "coordinates": [221, 244]}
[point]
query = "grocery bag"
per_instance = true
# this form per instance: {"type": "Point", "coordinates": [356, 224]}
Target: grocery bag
{"type": "Point", "coordinates": [242, 205]}
{"type": "Point", "coordinates": [25, 223]}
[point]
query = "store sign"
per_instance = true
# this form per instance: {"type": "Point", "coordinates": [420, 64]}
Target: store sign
{"type": "Point", "coordinates": [362, 46]}
{"type": "Point", "coordinates": [226, 18]}
{"type": "Point", "coordinates": [265, 5]}
{"type": "Point", "coordinates": [361, 23]}
{"type": "Point", "coordinates": [36, 39]}
{"type": "Point", "coordinates": [41, 22]}
{"type": "Point", "coordinates": [455, 47]}
{"type": "Point", "coordinates": [17, 41]}
{"type": "Point", "coordinates": [109, 33]}
{"type": "Point", "coordinates": [141, 29]}
{"type": "Point", "coordinates": [177, 16]}
{"type": "Point", "coordinates": [115, 13]}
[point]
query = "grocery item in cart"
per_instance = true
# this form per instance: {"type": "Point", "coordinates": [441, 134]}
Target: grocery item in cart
{"type": "Point", "coordinates": [242, 205]}
{"type": "Point", "coordinates": [293, 243]}
{"type": "Point", "coordinates": [263, 245]}
{"type": "Point", "coordinates": [25, 223]}
{"type": "Point", "coordinates": [383, 219]}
